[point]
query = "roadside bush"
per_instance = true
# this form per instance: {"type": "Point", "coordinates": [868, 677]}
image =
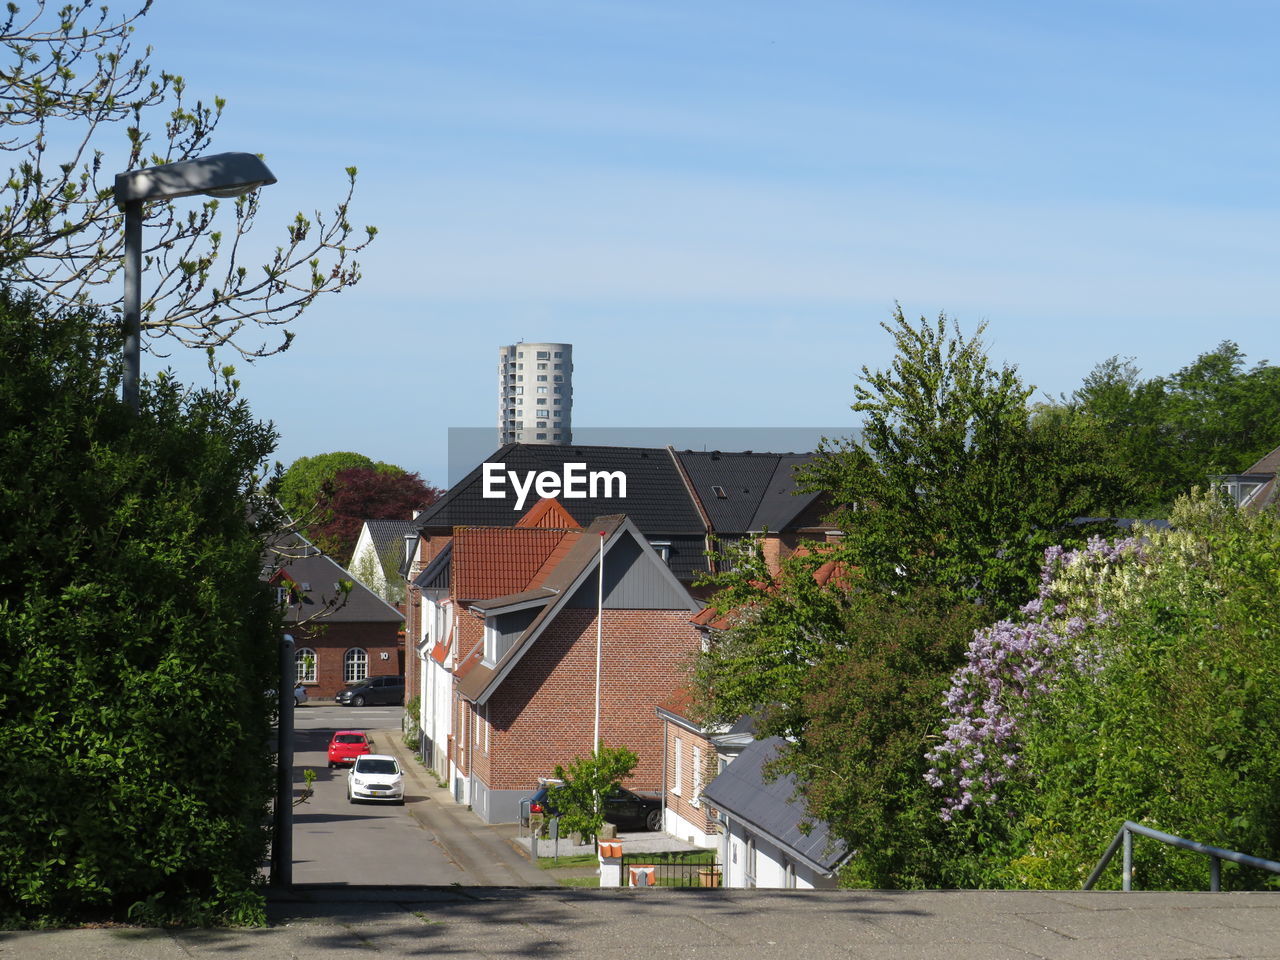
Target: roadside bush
{"type": "Point", "coordinates": [137, 637]}
{"type": "Point", "coordinates": [1177, 724]}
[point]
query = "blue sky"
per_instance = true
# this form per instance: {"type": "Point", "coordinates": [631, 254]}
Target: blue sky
{"type": "Point", "coordinates": [735, 195]}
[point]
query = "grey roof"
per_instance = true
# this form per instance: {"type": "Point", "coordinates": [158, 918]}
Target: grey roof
{"type": "Point", "coordinates": [772, 810]}
{"type": "Point", "coordinates": [305, 564]}
{"type": "Point", "coordinates": [782, 502]}
{"type": "Point", "coordinates": [388, 540]}
{"type": "Point", "coordinates": [730, 485]}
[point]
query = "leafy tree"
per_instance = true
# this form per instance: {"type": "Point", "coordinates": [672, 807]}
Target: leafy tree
{"type": "Point", "coordinates": [302, 486]}
{"type": "Point", "coordinates": [133, 625]}
{"type": "Point", "coordinates": [952, 484]}
{"type": "Point", "coordinates": [81, 104]}
{"type": "Point", "coordinates": [587, 781]}
{"type": "Point", "coordinates": [1178, 723]}
{"type": "Point", "coordinates": [1214, 415]}
{"type": "Point", "coordinates": [357, 494]}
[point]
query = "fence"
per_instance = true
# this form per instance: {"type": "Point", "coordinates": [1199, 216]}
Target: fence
{"type": "Point", "coordinates": [1215, 854]}
{"type": "Point", "coordinates": [696, 869]}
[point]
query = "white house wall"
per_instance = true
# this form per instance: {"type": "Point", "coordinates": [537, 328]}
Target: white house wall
{"type": "Point", "coordinates": [771, 864]}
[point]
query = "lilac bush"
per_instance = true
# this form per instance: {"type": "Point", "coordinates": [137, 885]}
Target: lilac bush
{"type": "Point", "coordinates": [1009, 663]}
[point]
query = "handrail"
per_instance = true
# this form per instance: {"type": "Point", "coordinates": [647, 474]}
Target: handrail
{"type": "Point", "coordinates": [1215, 854]}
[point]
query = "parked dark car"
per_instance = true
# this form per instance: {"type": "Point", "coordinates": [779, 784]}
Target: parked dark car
{"type": "Point", "coordinates": [374, 691]}
{"type": "Point", "coordinates": [623, 808]}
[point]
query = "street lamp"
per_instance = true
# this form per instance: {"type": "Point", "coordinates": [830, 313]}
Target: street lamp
{"type": "Point", "coordinates": [220, 175]}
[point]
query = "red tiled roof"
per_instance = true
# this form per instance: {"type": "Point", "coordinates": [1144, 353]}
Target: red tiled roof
{"type": "Point", "coordinates": [548, 512]}
{"type": "Point", "coordinates": [495, 561]}
{"type": "Point", "coordinates": [679, 702]}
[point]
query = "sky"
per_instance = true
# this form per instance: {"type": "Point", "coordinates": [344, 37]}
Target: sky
{"type": "Point", "coordinates": [718, 203]}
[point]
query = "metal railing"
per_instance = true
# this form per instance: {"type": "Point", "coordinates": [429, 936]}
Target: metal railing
{"type": "Point", "coordinates": [1215, 854]}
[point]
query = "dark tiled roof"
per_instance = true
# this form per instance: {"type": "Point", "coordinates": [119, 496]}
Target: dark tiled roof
{"type": "Point", "coordinates": [771, 809]}
{"type": "Point", "coordinates": [656, 499]}
{"type": "Point", "coordinates": [388, 541]}
{"type": "Point", "coordinates": [782, 502]}
{"type": "Point", "coordinates": [305, 564]}
{"type": "Point", "coordinates": [729, 485]}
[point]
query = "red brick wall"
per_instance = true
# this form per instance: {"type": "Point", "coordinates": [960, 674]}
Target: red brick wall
{"type": "Point", "coordinates": [543, 713]}
{"type": "Point", "coordinates": [335, 639]}
{"type": "Point", "coordinates": [698, 816]}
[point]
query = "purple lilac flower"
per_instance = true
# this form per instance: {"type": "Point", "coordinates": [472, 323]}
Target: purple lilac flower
{"type": "Point", "coordinates": [1007, 665]}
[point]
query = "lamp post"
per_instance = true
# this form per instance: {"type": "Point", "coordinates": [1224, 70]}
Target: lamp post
{"type": "Point", "coordinates": [219, 175]}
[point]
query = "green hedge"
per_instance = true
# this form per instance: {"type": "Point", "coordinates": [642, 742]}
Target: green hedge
{"type": "Point", "coordinates": [137, 637]}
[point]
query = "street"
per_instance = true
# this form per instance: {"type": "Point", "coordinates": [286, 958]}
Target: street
{"type": "Point", "coordinates": [367, 843]}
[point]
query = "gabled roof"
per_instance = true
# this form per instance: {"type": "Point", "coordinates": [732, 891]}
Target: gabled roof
{"type": "Point", "coordinates": [495, 561]}
{"type": "Point", "coordinates": [772, 809]}
{"type": "Point", "coordinates": [303, 563]}
{"type": "Point", "coordinates": [555, 588]}
{"type": "Point", "coordinates": [655, 498]}
{"type": "Point", "coordinates": [747, 491]}
{"type": "Point", "coordinates": [388, 538]}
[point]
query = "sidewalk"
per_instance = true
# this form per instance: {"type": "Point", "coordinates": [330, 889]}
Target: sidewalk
{"type": "Point", "coordinates": [484, 853]}
{"type": "Point", "coordinates": [472, 922]}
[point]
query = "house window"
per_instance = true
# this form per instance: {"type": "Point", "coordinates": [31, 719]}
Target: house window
{"type": "Point", "coordinates": [542, 389]}
{"type": "Point", "coordinates": [355, 666]}
{"type": "Point", "coordinates": [542, 436]}
{"type": "Point", "coordinates": [542, 378]}
{"type": "Point", "coordinates": [558, 378]}
{"type": "Point", "coordinates": [557, 366]}
{"type": "Point", "coordinates": [542, 400]}
{"type": "Point", "coordinates": [555, 402]}
{"type": "Point", "coordinates": [305, 658]}
{"type": "Point", "coordinates": [788, 874]}
{"type": "Point", "coordinates": [544, 354]}
{"type": "Point", "coordinates": [695, 796]}
{"type": "Point", "coordinates": [542, 366]}
{"type": "Point", "coordinates": [662, 548]}
{"type": "Point", "coordinates": [749, 867]}
{"type": "Point", "coordinates": [558, 354]}
{"type": "Point", "coordinates": [678, 764]}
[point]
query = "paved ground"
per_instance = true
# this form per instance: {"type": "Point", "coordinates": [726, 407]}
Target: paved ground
{"type": "Point", "coordinates": [470, 922]}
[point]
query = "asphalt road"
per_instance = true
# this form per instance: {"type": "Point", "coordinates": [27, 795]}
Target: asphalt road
{"type": "Point", "coordinates": [359, 844]}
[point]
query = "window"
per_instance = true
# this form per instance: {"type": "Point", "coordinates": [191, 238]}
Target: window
{"type": "Point", "coordinates": [555, 402]}
{"type": "Point", "coordinates": [542, 389]}
{"type": "Point", "coordinates": [542, 436]}
{"type": "Point", "coordinates": [542, 400]}
{"type": "Point", "coordinates": [355, 666]}
{"type": "Point", "coordinates": [662, 548]}
{"type": "Point", "coordinates": [557, 378]}
{"type": "Point", "coordinates": [544, 354]}
{"type": "Point", "coordinates": [305, 658]}
{"type": "Point", "coordinates": [749, 868]}
{"type": "Point", "coordinates": [556, 390]}
{"type": "Point", "coordinates": [557, 437]}
{"type": "Point", "coordinates": [678, 763]}
{"type": "Point", "coordinates": [542, 424]}
{"type": "Point", "coordinates": [558, 357]}
{"type": "Point", "coordinates": [695, 796]}
{"type": "Point", "coordinates": [519, 390]}
{"type": "Point", "coordinates": [542, 366]}
{"type": "Point", "coordinates": [542, 378]}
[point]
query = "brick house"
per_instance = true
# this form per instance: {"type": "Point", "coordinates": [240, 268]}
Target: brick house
{"type": "Point", "coordinates": [512, 618]}
{"type": "Point", "coordinates": [685, 503]}
{"type": "Point", "coordinates": [335, 642]}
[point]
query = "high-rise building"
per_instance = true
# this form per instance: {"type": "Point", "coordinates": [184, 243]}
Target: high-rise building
{"type": "Point", "coordinates": [535, 393]}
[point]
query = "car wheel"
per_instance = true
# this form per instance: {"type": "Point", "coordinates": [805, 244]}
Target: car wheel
{"type": "Point", "coordinates": [330, 764]}
{"type": "Point", "coordinates": [357, 701]}
{"type": "Point", "coordinates": [653, 822]}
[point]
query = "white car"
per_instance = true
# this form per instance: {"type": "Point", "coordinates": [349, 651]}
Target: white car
{"type": "Point", "coordinates": [375, 776]}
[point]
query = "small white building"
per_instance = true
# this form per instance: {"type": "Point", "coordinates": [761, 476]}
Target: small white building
{"type": "Point", "coordinates": [768, 839]}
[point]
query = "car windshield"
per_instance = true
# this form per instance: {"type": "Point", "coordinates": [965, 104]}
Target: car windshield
{"type": "Point", "coordinates": [376, 765]}
{"type": "Point", "coordinates": [348, 738]}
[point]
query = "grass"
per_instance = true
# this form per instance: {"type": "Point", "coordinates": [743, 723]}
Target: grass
{"type": "Point", "coordinates": [571, 860]}
{"type": "Point", "coordinates": [579, 881]}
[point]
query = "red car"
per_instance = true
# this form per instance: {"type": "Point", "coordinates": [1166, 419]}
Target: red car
{"type": "Point", "coordinates": [346, 745]}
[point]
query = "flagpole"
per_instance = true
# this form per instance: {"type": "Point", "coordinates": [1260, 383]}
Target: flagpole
{"type": "Point", "coordinates": [595, 743]}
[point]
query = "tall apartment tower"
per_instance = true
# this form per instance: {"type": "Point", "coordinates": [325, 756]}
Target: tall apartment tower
{"type": "Point", "coordinates": [535, 393]}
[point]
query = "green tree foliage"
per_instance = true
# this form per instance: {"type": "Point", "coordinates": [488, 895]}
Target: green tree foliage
{"type": "Point", "coordinates": [306, 487]}
{"type": "Point", "coordinates": [1213, 416]}
{"type": "Point", "coordinates": [137, 637]}
{"type": "Point", "coordinates": [81, 103]}
{"type": "Point", "coordinates": [1181, 727]}
{"type": "Point", "coordinates": [952, 484]}
{"type": "Point", "coordinates": [587, 781]}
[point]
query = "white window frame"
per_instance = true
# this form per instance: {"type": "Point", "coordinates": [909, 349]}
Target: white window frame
{"type": "Point", "coordinates": [695, 795]}
{"type": "Point", "coordinates": [355, 665]}
{"type": "Point", "coordinates": [300, 660]}
{"type": "Point", "coordinates": [678, 761]}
